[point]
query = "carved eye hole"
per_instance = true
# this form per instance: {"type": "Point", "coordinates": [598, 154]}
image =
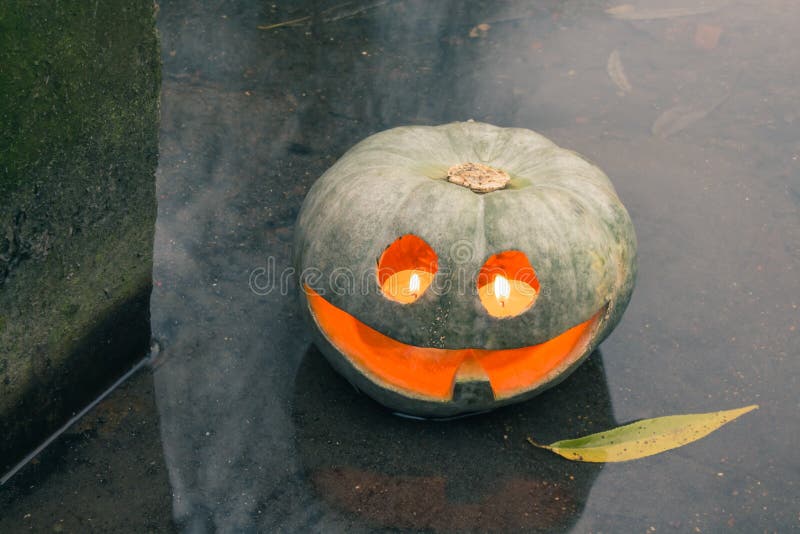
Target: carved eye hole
{"type": "Point", "coordinates": [406, 269]}
{"type": "Point", "coordinates": [507, 284]}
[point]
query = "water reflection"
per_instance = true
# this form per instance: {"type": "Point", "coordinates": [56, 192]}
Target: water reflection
{"type": "Point", "coordinates": [472, 474]}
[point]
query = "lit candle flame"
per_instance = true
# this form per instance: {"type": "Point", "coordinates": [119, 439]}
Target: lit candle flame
{"type": "Point", "coordinates": [502, 289]}
{"type": "Point", "coordinates": [413, 284]}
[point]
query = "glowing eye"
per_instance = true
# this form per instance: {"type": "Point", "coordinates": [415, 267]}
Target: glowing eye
{"type": "Point", "coordinates": [507, 284]}
{"type": "Point", "coordinates": [406, 269]}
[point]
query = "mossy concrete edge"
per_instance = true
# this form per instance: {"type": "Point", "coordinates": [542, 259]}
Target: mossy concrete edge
{"type": "Point", "coordinates": [78, 154]}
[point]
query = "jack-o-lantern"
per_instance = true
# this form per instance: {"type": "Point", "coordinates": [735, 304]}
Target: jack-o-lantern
{"type": "Point", "coordinates": [458, 268]}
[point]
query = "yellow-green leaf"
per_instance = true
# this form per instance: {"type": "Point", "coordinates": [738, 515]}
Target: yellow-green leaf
{"type": "Point", "coordinates": [643, 438]}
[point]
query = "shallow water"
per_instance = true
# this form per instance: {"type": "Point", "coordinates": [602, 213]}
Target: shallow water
{"type": "Point", "coordinates": [695, 118]}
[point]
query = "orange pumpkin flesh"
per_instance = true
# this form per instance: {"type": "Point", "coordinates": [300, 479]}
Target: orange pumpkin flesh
{"type": "Point", "coordinates": [430, 373]}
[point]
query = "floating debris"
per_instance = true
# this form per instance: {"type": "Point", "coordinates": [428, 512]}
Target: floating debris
{"type": "Point", "coordinates": [631, 12]}
{"type": "Point", "coordinates": [292, 22]}
{"type": "Point", "coordinates": [643, 438]}
{"type": "Point", "coordinates": [678, 118]}
{"type": "Point", "coordinates": [617, 72]}
{"type": "Point", "coordinates": [706, 36]}
{"type": "Point", "coordinates": [480, 30]}
{"type": "Point", "coordinates": [332, 14]}
{"type": "Point", "coordinates": [675, 119]}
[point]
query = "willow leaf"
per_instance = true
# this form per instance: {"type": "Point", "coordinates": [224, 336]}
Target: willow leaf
{"type": "Point", "coordinates": [643, 438]}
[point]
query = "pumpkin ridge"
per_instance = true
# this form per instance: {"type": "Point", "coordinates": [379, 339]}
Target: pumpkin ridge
{"type": "Point", "coordinates": [480, 243]}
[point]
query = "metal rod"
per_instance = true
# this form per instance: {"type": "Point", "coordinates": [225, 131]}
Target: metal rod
{"type": "Point", "coordinates": [22, 463]}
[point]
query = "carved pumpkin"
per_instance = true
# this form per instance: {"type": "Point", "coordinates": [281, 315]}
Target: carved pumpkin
{"type": "Point", "coordinates": [458, 268]}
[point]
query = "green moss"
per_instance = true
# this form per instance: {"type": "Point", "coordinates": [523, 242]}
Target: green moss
{"type": "Point", "coordinates": [78, 151]}
{"type": "Point", "coordinates": [77, 81]}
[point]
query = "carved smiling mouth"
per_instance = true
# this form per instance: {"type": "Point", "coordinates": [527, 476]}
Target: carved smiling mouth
{"type": "Point", "coordinates": [432, 373]}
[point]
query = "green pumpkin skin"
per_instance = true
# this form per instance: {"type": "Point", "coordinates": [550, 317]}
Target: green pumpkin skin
{"type": "Point", "coordinates": [560, 210]}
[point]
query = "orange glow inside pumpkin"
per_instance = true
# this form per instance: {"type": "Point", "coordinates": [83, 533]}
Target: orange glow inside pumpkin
{"type": "Point", "coordinates": [430, 373]}
{"type": "Point", "coordinates": [406, 269]}
{"type": "Point", "coordinates": [507, 284]}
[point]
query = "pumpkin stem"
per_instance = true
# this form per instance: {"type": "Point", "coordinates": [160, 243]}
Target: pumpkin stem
{"type": "Point", "coordinates": [478, 177]}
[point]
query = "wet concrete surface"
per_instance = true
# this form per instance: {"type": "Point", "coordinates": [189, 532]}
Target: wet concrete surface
{"type": "Point", "coordinates": [104, 474]}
